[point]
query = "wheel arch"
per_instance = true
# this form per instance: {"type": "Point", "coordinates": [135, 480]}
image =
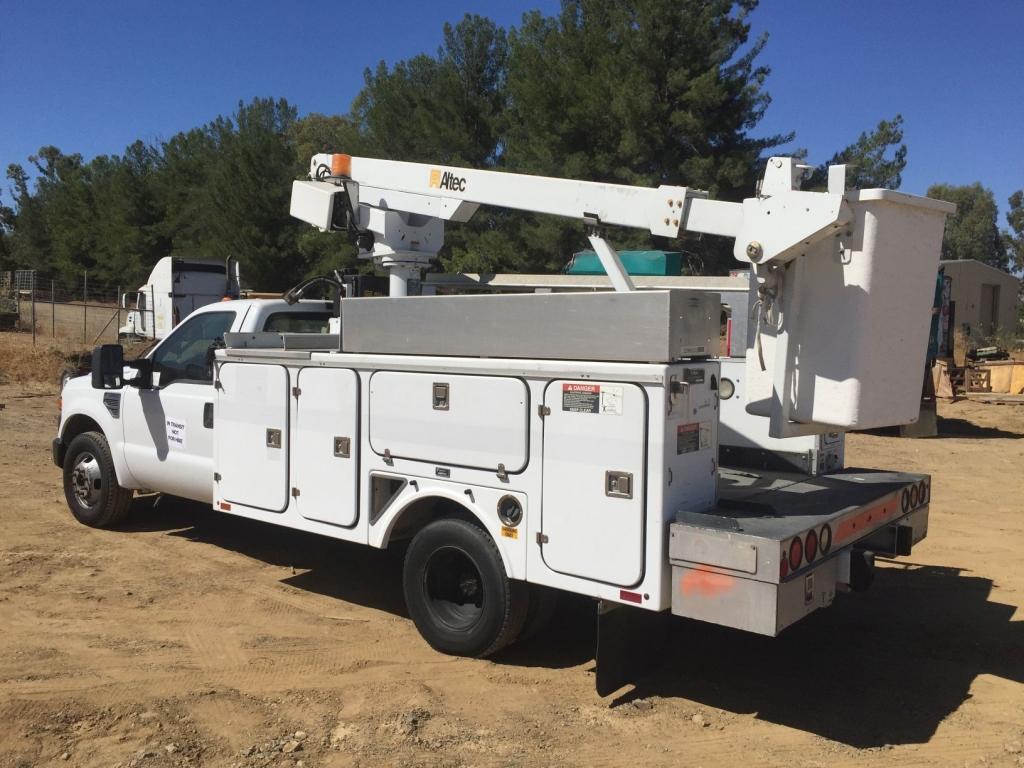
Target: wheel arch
{"type": "Point", "coordinates": [410, 517]}
{"type": "Point", "coordinates": [93, 417]}
{"type": "Point", "coordinates": [76, 425]}
{"type": "Point", "coordinates": [413, 514]}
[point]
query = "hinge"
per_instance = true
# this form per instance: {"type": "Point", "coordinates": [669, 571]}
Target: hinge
{"type": "Point", "coordinates": [542, 538]}
{"type": "Point", "coordinates": [218, 385]}
{"type": "Point", "coordinates": [387, 457]}
{"type": "Point", "coordinates": [502, 474]}
{"type": "Point", "coordinates": [295, 492]}
{"type": "Point", "coordinates": [296, 391]}
{"type": "Point", "coordinates": [543, 410]}
{"type": "Point", "coordinates": [216, 477]}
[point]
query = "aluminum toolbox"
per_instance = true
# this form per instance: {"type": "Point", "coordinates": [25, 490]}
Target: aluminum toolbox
{"type": "Point", "coordinates": [638, 326]}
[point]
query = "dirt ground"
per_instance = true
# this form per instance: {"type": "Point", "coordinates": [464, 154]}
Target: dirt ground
{"type": "Point", "coordinates": [192, 639]}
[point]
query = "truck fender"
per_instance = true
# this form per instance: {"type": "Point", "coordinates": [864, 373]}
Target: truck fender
{"type": "Point", "coordinates": [85, 415]}
{"type": "Point", "coordinates": [424, 500]}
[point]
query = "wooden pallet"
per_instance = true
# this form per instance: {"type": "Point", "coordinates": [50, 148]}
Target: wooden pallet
{"type": "Point", "coordinates": [979, 380]}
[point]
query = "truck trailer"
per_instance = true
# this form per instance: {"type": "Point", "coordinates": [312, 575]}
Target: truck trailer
{"type": "Point", "coordinates": [528, 444]}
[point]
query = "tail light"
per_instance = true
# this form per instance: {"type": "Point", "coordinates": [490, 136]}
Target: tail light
{"type": "Point", "coordinates": [811, 546]}
{"type": "Point", "coordinates": [796, 553]}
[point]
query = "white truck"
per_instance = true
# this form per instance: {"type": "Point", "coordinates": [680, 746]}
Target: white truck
{"type": "Point", "coordinates": [522, 445]}
{"type": "Point", "coordinates": [175, 288]}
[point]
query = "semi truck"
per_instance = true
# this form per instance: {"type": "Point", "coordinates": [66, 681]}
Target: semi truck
{"type": "Point", "coordinates": [175, 287]}
{"type": "Point", "coordinates": [524, 445]}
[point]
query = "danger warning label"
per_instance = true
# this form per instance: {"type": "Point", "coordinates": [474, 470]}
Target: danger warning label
{"type": "Point", "coordinates": [592, 398]}
{"type": "Point", "coordinates": [687, 438]}
{"type": "Point", "coordinates": [693, 437]}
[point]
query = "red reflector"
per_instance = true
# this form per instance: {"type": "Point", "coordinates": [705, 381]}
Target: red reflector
{"type": "Point", "coordinates": [811, 546]}
{"type": "Point", "coordinates": [783, 567]}
{"type": "Point", "coordinates": [632, 597]}
{"type": "Point", "coordinates": [796, 553]}
{"type": "Point", "coordinates": [224, 505]}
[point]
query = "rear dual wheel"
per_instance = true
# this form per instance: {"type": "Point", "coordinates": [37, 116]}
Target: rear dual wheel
{"type": "Point", "coordinates": [458, 593]}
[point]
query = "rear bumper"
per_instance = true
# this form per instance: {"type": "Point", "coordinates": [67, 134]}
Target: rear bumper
{"type": "Point", "coordinates": [767, 608]}
{"type": "Point", "coordinates": [768, 558]}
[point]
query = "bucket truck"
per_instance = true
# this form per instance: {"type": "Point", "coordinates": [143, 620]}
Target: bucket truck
{"type": "Point", "coordinates": [526, 445]}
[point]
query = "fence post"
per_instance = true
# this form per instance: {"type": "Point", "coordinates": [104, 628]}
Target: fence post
{"type": "Point", "coordinates": [118, 300]}
{"type": "Point", "coordinates": [85, 308]}
{"type": "Point", "coordinates": [33, 307]}
{"type": "Point", "coordinates": [53, 311]}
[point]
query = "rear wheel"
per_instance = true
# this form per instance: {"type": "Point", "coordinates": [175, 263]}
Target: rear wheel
{"type": "Point", "coordinates": [90, 483]}
{"type": "Point", "coordinates": [457, 592]}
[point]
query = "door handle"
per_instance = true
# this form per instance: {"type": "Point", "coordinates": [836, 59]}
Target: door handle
{"type": "Point", "coordinates": [208, 415]}
{"type": "Point", "coordinates": [618, 484]}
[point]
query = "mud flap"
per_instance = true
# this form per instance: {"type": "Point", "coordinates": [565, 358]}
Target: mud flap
{"type": "Point", "coordinates": [631, 643]}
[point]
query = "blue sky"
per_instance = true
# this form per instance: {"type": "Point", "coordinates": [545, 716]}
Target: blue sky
{"type": "Point", "coordinates": [91, 77]}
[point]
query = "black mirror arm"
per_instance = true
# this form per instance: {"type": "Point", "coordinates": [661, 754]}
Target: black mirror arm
{"type": "Point", "coordinates": [144, 379]}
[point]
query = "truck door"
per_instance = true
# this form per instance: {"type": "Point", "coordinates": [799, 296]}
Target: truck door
{"type": "Point", "coordinates": [592, 514]}
{"type": "Point", "coordinates": [325, 445]}
{"type": "Point", "coordinates": [168, 430]}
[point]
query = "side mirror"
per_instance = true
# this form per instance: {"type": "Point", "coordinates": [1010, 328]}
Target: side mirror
{"type": "Point", "coordinates": [108, 366]}
{"type": "Point", "coordinates": [145, 378]}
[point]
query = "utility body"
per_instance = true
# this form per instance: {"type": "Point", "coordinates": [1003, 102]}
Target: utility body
{"type": "Point", "coordinates": [531, 444]}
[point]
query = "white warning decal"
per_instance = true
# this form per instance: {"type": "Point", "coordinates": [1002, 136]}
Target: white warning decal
{"type": "Point", "coordinates": [176, 434]}
{"type": "Point", "coordinates": [592, 398]}
{"type": "Point", "coordinates": [611, 400]}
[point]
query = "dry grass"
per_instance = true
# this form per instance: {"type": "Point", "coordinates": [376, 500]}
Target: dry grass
{"type": "Point", "coordinates": [20, 362]}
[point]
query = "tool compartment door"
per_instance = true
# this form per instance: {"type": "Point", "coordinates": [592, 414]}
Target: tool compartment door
{"type": "Point", "coordinates": [325, 445]}
{"type": "Point", "coordinates": [251, 435]}
{"type": "Point", "coordinates": [470, 421]}
{"type": "Point", "coordinates": [593, 502]}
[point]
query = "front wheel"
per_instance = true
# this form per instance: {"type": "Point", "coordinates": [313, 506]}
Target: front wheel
{"type": "Point", "coordinates": [90, 483]}
{"type": "Point", "coordinates": [457, 592]}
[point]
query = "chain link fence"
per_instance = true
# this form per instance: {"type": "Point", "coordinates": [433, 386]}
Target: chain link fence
{"type": "Point", "coordinates": [48, 307]}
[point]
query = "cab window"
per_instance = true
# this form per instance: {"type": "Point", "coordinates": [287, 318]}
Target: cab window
{"type": "Point", "coordinates": [183, 355]}
{"type": "Point", "coordinates": [297, 322]}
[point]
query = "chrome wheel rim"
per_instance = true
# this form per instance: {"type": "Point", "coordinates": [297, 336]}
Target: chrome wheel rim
{"type": "Point", "coordinates": [87, 480]}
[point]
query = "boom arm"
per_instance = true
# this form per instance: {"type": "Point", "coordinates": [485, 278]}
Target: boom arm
{"type": "Point", "coordinates": [848, 261]}
{"type": "Point", "coordinates": [390, 199]}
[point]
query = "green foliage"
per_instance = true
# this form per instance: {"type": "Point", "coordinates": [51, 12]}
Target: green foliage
{"type": "Point", "coordinates": [876, 159]}
{"type": "Point", "coordinates": [648, 92]}
{"type": "Point", "coordinates": [444, 109]}
{"type": "Point", "coordinates": [1014, 239]}
{"type": "Point", "coordinates": [972, 232]}
{"type": "Point", "coordinates": [216, 191]}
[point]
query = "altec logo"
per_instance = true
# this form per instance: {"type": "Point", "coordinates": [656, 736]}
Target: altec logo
{"type": "Point", "coordinates": [447, 180]}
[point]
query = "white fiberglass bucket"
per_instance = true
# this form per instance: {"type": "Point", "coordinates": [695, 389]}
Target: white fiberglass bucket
{"type": "Point", "coordinates": [857, 310]}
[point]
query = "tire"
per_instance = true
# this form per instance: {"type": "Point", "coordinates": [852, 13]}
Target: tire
{"type": "Point", "coordinates": [90, 483]}
{"type": "Point", "coordinates": [457, 592]}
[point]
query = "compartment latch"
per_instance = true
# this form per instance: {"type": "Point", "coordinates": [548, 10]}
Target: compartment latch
{"type": "Point", "coordinates": [440, 396]}
{"type": "Point", "coordinates": [618, 484]}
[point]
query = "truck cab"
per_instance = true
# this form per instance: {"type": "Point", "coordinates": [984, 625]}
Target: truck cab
{"type": "Point", "coordinates": [175, 288]}
{"type": "Point", "coordinates": [162, 436]}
